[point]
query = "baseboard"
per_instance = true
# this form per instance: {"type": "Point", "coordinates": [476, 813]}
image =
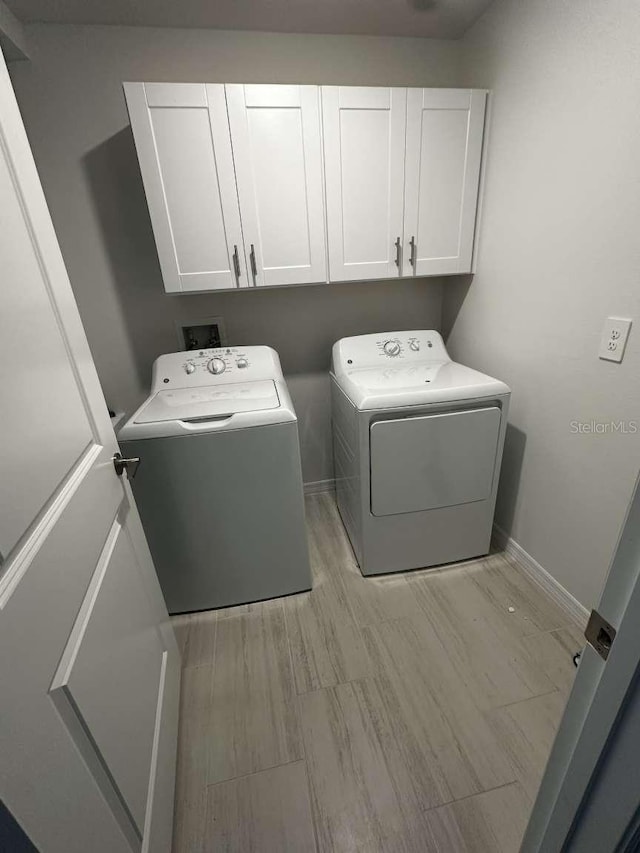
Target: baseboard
{"type": "Point", "coordinates": [318, 487]}
{"type": "Point", "coordinates": [541, 577]}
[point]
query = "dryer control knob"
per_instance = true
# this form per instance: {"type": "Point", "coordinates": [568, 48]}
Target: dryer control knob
{"type": "Point", "coordinates": [392, 348]}
{"type": "Point", "coordinates": [242, 362]}
{"type": "Point", "coordinates": [216, 366]}
{"type": "Point", "coordinates": [415, 346]}
{"type": "Point", "coordinates": [189, 367]}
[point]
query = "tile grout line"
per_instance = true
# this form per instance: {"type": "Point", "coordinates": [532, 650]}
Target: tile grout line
{"type": "Point", "coordinates": [522, 701]}
{"type": "Point", "coordinates": [252, 773]}
{"type": "Point", "coordinates": [360, 678]}
{"type": "Point", "coordinates": [564, 627]}
{"type": "Point", "coordinates": [209, 718]}
{"type": "Point", "coordinates": [471, 796]}
{"type": "Point", "coordinates": [316, 833]}
{"type": "Point", "coordinates": [300, 729]}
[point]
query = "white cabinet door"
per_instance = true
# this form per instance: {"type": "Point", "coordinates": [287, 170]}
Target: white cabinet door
{"type": "Point", "coordinates": [181, 133]}
{"type": "Point", "coordinates": [89, 665]}
{"type": "Point", "coordinates": [364, 138]}
{"type": "Point", "coordinates": [444, 148]}
{"type": "Point", "coordinates": [277, 151]}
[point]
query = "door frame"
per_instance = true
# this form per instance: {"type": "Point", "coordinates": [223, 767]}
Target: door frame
{"type": "Point", "coordinates": [600, 718]}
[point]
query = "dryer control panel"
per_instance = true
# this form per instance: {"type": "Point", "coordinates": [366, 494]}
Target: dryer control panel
{"type": "Point", "coordinates": [389, 347]}
{"type": "Point", "coordinates": [219, 366]}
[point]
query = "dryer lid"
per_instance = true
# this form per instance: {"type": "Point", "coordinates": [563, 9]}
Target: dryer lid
{"type": "Point", "coordinates": [208, 401]}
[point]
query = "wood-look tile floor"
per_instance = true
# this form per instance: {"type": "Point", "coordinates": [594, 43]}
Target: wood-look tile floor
{"type": "Point", "coordinates": [411, 712]}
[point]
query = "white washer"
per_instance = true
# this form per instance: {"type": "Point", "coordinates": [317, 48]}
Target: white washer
{"type": "Point", "coordinates": [219, 486]}
{"type": "Point", "coordinates": [417, 445]}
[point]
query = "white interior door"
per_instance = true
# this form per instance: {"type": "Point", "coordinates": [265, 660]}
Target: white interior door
{"type": "Point", "coordinates": [444, 148]}
{"type": "Point", "coordinates": [277, 150]}
{"type": "Point", "coordinates": [364, 138]}
{"type": "Point", "coordinates": [181, 133]}
{"type": "Point", "coordinates": [89, 666]}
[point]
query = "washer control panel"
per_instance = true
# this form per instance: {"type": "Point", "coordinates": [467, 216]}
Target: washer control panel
{"type": "Point", "coordinates": [215, 361]}
{"type": "Point", "coordinates": [375, 350]}
{"type": "Point", "coordinates": [212, 366]}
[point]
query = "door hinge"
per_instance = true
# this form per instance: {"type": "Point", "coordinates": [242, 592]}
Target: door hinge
{"type": "Point", "coordinates": [129, 465]}
{"type": "Point", "coordinates": [600, 634]}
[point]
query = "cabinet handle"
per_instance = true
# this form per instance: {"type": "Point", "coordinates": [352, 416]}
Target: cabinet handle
{"type": "Point", "coordinates": [236, 264]}
{"type": "Point", "coordinates": [412, 256]}
{"type": "Point", "coordinates": [254, 267]}
{"type": "Point", "coordinates": [398, 246]}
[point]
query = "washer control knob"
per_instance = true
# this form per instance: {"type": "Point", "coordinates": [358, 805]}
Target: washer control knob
{"type": "Point", "coordinates": [189, 367]}
{"type": "Point", "coordinates": [216, 366]}
{"type": "Point", "coordinates": [392, 348]}
{"type": "Point", "coordinates": [415, 346]}
{"type": "Point", "coordinates": [242, 363]}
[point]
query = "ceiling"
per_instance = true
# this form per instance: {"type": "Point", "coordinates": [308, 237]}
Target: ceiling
{"type": "Point", "coordinates": [418, 18]}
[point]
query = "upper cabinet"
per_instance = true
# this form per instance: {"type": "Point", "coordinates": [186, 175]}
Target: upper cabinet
{"type": "Point", "coordinates": [442, 169]}
{"type": "Point", "coordinates": [277, 150]}
{"type": "Point", "coordinates": [364, 141]}
{"type": "Point", "coordinates": [252, 185]}
{"type": "Point", "coordinates": [184, 148]}
{"type": "Point", "coordinates": [402, 168]}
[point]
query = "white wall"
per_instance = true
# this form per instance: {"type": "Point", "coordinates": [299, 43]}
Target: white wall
{"type": "Point", "coordinates": [559, 251]}
{"type": "Point", "coordinates": [71, 98]}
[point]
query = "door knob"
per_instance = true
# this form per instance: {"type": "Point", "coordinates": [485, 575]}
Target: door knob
{"type": "Point", "coordinates": [129, 465]}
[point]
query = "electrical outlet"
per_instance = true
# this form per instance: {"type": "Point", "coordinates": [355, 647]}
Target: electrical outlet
{"type": "Point", "coordinates": [614, 338]}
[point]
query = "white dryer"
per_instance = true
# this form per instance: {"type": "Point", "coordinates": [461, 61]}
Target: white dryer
{"type": "Point", "coordinates": [417, 444]}
{"type": "Point", "coordinates": [219, 486]}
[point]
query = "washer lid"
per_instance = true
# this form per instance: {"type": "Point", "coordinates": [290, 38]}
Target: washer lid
{"type": "Point", "coordinates": [208, 401]}
{"type": "Point", "coordinates": [417, 383]}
